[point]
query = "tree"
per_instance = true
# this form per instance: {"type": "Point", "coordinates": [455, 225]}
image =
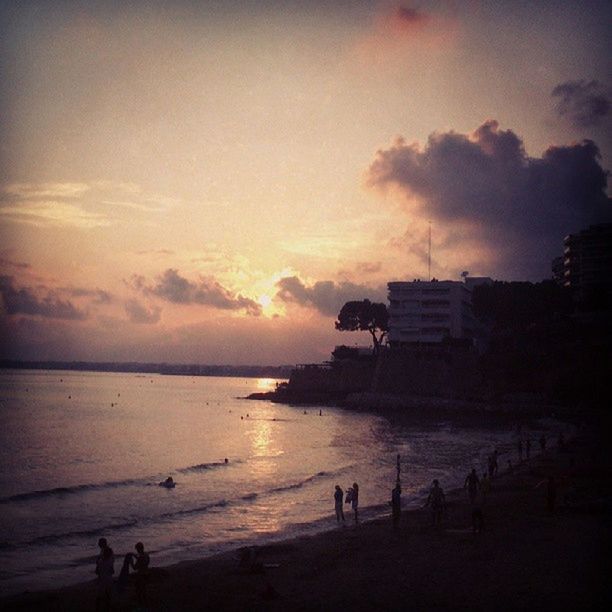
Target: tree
{"type": "Point", "coordinates": [365, 316]}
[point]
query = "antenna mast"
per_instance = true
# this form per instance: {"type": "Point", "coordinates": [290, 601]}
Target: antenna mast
{"type": "Point", "coordinates": [429, 255]}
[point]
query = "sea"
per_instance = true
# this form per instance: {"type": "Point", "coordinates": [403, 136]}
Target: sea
{"type": "Point", "coordinates": [82, 455]}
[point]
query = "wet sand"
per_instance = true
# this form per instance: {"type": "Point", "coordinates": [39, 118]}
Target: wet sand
{"type": "Point", "coordinates": [525, 559]}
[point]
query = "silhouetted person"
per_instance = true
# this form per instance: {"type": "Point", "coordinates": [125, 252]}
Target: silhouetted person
{"type": "Point", "coordinates": [168, 483]}
{"type": "Point", "coordinates": [472, 483]}
{"type": "Point", "coordinates": [140, 563]}
{"type": "Point", "coordinates": [510, 469]}
{"type": "Point", "coordinates": [495, 464]}
{"type": "Point", "coordinates": [528, 448]}
{"type": "Point", "coordinates": [355, 501]}
{"type": "Point", "coordinates": [338, 498]}
{"type": "Point", "coordinates": [490, 466]}
{"type": "Point", "coordinates": [542, 442]}
{"type": "Point", "coordinates": [396, 505]}
{"type": "Point", "coordinates": [105, 568]}
{"type": "Point", "coordinates": [519, 447]}
{"type": "Point", "coordinates": [437, 502]}
{"type": "Point", "coordinates": [485, 486]}
{"type": "Point", "coordinates": [551, 495]}
{"type": "Point", "coordinates": [124, 574]}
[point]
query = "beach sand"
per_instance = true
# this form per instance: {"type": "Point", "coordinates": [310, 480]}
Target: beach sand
{"type": "Point", "coordinates": [525, 559]}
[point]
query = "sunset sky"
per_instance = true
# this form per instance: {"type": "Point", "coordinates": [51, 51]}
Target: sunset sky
{"type": "Point", "coordinates": [210, 181]}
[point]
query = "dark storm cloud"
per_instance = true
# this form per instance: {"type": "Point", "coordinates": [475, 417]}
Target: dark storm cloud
{"type": "Point", "coordinates": [486, 186]}
{"type": "Point", "coordinates": [173, 287]}
{"type": "Point", "coordinates": [325, 296]}
{"type": "Point", "coordinates": [584, 103]}
{"type": "Point", "coordinates": [137, 313]}
{"type": "Point", "coordinates": [25, 300]}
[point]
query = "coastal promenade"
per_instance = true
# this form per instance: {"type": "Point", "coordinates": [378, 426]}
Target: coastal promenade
{"type": "Point", "coordinates": [524, 559]}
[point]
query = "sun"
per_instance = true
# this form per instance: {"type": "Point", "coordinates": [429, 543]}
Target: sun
{"type": "Point", "coordinates": [265, 300]}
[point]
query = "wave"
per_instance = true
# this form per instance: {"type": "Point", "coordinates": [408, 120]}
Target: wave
{"type": "Point", "coordinates": [111, 484]}
{"type": "Point", "coordinates": [200, 467]}
{"type": "Point", "coordinates": [299, 485]}
{"type": "Point", "coordinates": [199, 509]}
{"type": "Point", "coordinates": [82, 533]}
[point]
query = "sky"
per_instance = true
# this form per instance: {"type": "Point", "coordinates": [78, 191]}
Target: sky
{"type": "Point", "coordinates": [209, 182]}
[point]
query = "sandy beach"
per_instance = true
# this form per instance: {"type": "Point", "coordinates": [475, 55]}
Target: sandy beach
{"type": "Point", "coordinates": [524, 559]}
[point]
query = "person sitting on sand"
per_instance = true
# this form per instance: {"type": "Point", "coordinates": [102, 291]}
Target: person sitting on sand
{"type": "Point", "coordinates": [168, 483]}
{"type": "Point", "coordinates": [437, 502]}
{"type": "Point", "coordinates": [338, 498]}
{"type": "Point", "coordinates": [140, 563]}
{"type": "Point", "coordinates": [105, 568]}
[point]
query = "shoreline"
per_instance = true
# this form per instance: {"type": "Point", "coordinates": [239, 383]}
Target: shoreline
{"type": "Point", "coordinates": [372, 566]}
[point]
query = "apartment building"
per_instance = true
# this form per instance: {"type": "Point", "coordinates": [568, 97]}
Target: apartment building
{"type": "Point", "coordinates": [429, 311]}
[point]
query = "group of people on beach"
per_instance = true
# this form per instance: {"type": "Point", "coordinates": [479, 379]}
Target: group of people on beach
{"type": "Point", "coordinates": [352, 498]}
{"type": "Point", "coordinates": [105, 570]}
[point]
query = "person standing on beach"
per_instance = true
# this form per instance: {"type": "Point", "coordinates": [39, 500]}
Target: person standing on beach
{"type": "Point", "coordinates": [472, 484]}
{"type": "Point", "coordinates": [140, 563]}
{"type": "Point", "coordinates": [520, 450]}
{"type": "Point", "coordinates": [396, 505]}
{"type": "Point", "coordinates": [485, 486]}
{"type": "Point", "coordinates": [437, 502]}
{"type": "Point", "coordinates": [542, 442]}
{"type": "Point", "coordinates": [338, 498]}
{"type": "Point", "coordinates": [495, 464]}
{"type": "Point", "coordinates": [528, 448]}
{"type": "Point", "coordinates": [355, 501]}
{"type": "Point", "coordinates": [105, 568]}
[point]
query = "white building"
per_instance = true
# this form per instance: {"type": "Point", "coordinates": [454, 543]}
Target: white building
{"type": "Point", "coordinates": [429, 312]}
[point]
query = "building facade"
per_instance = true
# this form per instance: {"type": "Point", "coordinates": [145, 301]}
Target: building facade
{"type": "Point", "coordinates": [429, 312]}
{"type": "Point", "coordinates": [587, 264]}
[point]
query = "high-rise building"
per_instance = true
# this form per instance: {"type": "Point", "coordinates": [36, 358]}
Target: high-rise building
{"type": "Point", "coordinates": [587, 265]}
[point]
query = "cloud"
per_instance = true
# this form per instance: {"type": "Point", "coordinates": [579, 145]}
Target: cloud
{"type": "Point", "coordinates": [79, 205]}
{"type": "Point", "coordinates": [137, 313]}
{"type": "Point", "coordinates": [327, 297]}
{"type": "Point", "coordinates": [9, 263]}
{"type": "Point", "coordinates": [45, 213]}
{"type": "Point", "coordinates": [100, 296]}
{"type": "Point", "coordinates": [173, 287]}
{"type": "Point", "coordinates": [27, 301]}
{"type": "Point", "coordinates": [583, 103]}
{"type": "Point", "coordinates": [44, 191]}
{"type": "Point", "coordinates": [483, 188]}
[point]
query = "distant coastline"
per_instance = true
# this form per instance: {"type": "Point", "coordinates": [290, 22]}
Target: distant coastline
{"type": "Point", "coordinates": [246, 371]}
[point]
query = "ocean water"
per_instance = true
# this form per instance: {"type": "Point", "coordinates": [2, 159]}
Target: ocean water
{"type": "Point", "coordinates": [82, 453]}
